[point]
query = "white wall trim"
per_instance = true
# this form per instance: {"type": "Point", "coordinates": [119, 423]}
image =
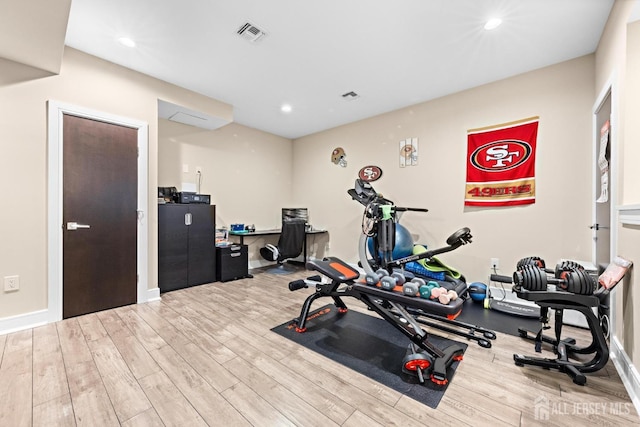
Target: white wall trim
{"type": "Point", "coordinates": [54, 193]}
{"type": "Point", "coordinates": [629, 214]}
{"type": "Point", "coordinates": [153, 295]}
{"type": "Point", "coordinates": [627, 371]}
{"type": "Point", "coordinates": [610, 88]}
{"type": "Point", "coordinates": [42, 317]}
{"type": "Point", "coordinates": [23, 321]}
{"type": "Point", "coordinates": [623, 364]}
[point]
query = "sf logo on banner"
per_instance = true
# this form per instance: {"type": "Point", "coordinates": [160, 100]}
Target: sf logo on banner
{"type": "Point", "coordinates": [501, 155]}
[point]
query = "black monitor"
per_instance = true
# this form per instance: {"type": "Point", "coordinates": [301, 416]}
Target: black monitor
{"type": "Point", "coordinates": [291, 213]}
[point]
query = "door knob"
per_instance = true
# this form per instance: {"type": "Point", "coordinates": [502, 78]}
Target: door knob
{"type": "Point", "coordinates": [75, 226]}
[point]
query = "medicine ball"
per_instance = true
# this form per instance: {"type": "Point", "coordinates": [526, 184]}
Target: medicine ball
{"type": "Point", "coordinates": [403, 243]}
{"type": "Point", "coordinates": [477, 291]}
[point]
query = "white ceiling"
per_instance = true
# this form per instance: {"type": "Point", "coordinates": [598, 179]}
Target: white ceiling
{"type": "Point", "coordinates": [391, 53]}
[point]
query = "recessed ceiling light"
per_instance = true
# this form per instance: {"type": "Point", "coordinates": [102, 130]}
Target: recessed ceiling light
{"type": "Point", "coordinates": [126, 41]}
{"type": "Point", "coordinates": [492, 24]}
{"type": "Point", "coordinates": [286, 108]}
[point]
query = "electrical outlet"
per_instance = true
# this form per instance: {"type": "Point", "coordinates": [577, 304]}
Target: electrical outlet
{"type": "Point", "coordinates": [11, 283]}
{"type": "Point", "coordinates": [495, 263]}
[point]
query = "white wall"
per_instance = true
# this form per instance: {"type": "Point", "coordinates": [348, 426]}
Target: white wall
{"type": "Point", "coordinates": [617, 62]}
{"type": "Point", "coordinates": [90, 83]}
{"type": "Point", "coordinates": [555, 227]}
{"type": "Point", "coordinates": [248, 174]}
{"type": "Point", "coordinates": [627, 297]}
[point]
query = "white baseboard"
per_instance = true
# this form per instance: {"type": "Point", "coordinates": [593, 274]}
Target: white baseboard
{"type": "Point", "coordinates": [23, 321]}
{"type": "Point", "coordinates": [628, 373]}
{"type": "Point", "coordinates": [41, 317]}
{"type": "Point", "coordinates": [260, 264]}
{"type": "Point", "coordinates": [153, 294]}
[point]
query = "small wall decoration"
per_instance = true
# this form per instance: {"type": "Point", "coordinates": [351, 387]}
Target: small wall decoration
{"type": "Point", "coordinates": [338, 157]}
{"type": "Point", "coordinates": [370, 173]}
{"type": "Point", "coordinates": [501, 163]}
{"type": "Point", "coordinates": [409, 152]}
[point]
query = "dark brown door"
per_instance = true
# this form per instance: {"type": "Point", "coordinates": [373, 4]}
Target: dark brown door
{"type": "Point", "coordinates": [99, 215]}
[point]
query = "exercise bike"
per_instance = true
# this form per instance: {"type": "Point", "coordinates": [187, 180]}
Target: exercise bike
{"type": "Point", "coordinates": [385, 291]}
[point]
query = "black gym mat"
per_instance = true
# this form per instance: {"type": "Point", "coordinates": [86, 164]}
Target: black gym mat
{"type": "Point", "coordinates": [474, 313]}
{"type": "Point", "coordinates": [369, 345]}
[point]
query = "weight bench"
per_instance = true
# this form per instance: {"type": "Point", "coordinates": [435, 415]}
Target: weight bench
{"type": "Point", "coordinates": [530, 283]}
{"type": "Point", "coordinates": [391, 293]}
{"type": "Point", "coordinates": [423, 358]}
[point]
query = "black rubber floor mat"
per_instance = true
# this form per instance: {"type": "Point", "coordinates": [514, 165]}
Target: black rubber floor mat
{"type": "Point", "coordinates": [369, 345]}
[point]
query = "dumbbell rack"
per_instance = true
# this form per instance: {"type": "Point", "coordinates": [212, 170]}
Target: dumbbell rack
{"type": "Point", "coordinates": [565, 348]}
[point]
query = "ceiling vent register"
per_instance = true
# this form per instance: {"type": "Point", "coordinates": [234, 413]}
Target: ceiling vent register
{"type": "Point", "coordinates": [250, 32]}
{"type": "Point", "coordinates": [350, 96]}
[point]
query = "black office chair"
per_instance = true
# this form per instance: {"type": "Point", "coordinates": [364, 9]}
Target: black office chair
{"type": "Point", "coordinates": [290, 245]}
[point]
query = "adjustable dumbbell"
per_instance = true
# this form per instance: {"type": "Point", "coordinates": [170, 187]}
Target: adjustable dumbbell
{"type": "Point", "coordinates": [534, 279]}
{"type": "Point", "coordinates": [566, 265]}
{"type": "Point", "coordinates": [576, 281]}
{"type": "Point", "coordinates": [412, 288]}
{"type": "Point", "coordinates": [531, 260]}
{"type": "Point", "coordinates": [563, 266]}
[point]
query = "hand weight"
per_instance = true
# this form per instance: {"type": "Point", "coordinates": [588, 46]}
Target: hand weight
{"type": "Point", "coordinates": [410, 289]}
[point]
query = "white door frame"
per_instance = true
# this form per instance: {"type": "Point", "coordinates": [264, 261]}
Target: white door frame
{"type": "Point", "coordinates": [56, 110]}
{"type": "Point", "coordinates": [610, 88]}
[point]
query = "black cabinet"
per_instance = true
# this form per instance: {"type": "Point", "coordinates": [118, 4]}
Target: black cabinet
{"type": "Point", "coordinates": [186, 245]}
{"type": "Point", "coordinates": [232, 262]}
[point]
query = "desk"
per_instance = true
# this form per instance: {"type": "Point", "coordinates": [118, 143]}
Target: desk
{"type": "Point", "coordinates": [271, 232]}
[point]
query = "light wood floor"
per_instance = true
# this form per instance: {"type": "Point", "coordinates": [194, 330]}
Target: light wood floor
{"type": "Point", "coordinates": [206, 356]}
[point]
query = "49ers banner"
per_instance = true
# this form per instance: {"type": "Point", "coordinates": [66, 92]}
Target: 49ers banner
{"type": "Point", "coordinates": [501, 164]}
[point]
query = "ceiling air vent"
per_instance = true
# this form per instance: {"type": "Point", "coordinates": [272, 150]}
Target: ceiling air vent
{"type": "Point", "coordinates": [250, 32]}
{"type": "Point", "coordinates": [180, 114]}
{"type": "Point", "coordinates": [350, 96]}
